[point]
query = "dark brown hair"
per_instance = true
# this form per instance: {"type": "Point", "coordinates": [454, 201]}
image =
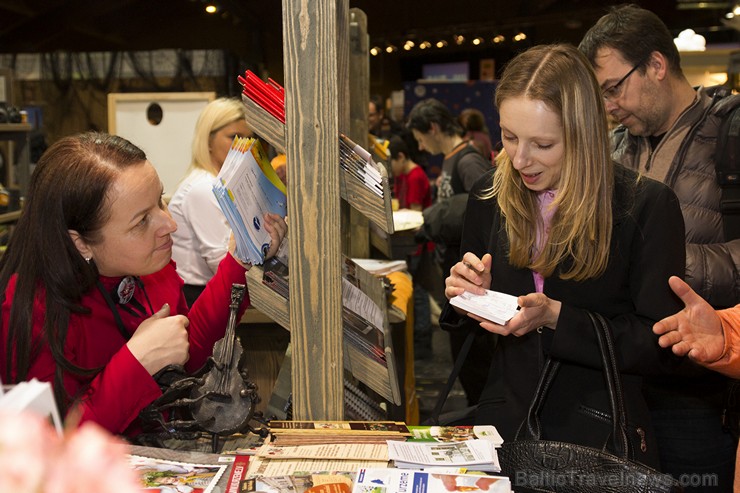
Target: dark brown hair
{"type": "Point", "coordinates": [67, 191]}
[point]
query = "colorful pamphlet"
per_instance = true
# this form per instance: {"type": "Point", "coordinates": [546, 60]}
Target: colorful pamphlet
{"type": "Point", "coordinates": [167, 476]}
{"type": "Point", "coordinates": [417, 481]}
{"type": "Point", "coordinates": [455, 434]}
{"type": "Point", "coordinates": [246, 189]}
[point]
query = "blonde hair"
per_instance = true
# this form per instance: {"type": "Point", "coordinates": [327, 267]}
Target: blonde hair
{"type": "Point", "coordinates": [216, 115]}
{"type": "Point", "coordinates": [580, 232]}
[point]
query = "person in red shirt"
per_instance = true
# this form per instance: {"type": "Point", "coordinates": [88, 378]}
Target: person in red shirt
{"type": "Point", "coordinates": [412, 189]}
{"type": "Point", "coordinates": [91, 300]}
{"type": "Point", "coordinates": [410, 182]}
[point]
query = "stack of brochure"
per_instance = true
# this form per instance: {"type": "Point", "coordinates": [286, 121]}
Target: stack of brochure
{"type": "Point", "coordinates": [397, 480]}
{"type": "Point", "coordinates": [473, 455]}
{"type": "Point", "coordinates": [292, 433]}
{"type": "Point", "coordinates": [492, 305]}
{"type": "Point", "coordinates": [246, 189]}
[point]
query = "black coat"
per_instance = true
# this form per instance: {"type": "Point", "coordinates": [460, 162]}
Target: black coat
{"type": "Point", "coordinates": [647, 247]}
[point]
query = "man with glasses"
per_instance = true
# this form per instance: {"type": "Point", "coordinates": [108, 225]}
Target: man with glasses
{"type": "Point", "coordinates": [668, 131]}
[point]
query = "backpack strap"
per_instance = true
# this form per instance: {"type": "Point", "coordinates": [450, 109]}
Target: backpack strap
{"type": "Point", "coordinates": [727, 167]}
{"type": "Point", "coordinates": [456, 181]}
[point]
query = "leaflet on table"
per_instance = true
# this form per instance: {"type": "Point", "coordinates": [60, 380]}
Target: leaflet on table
{"type": "Point", "coordinates": [475, 454]}
{"type": "Point", "coordinates": [246, 188]}
{"type": "Point", "coordinates": [174, 476]}
{"type": "Point", "coordinates": [301, 482]}
{"type": "Point", "coordinates": [262, 466]}
{"type": "Point", "coordinates": [405, 219]}
{"type": "Point", "coordinates": [455, 433]}
{"type": "Point", "coordinates": [492, 305]}
{"type": "Point", "coordinates": [345, 451]}
{"type": "Point", "coordinates": [416, 481]}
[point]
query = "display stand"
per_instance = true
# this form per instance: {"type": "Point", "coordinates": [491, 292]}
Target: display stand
{"type": "Point", "coordinates": [316, 59]}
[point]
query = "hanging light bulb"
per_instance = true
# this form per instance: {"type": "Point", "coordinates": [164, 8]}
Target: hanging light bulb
{"type": "Point", "coordinates": [477, 41]}
{"type": "Point", "coordinates": [374, 51]}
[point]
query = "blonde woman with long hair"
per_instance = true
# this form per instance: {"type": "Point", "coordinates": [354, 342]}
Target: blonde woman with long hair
{"type": "Point", "coordinates": [567, 231]}
{"type": "Point", "coordinates": [202, 235]}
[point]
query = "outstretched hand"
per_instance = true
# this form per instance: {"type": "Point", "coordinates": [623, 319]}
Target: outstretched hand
{"type": "Point", "coordinates": [696, 330]}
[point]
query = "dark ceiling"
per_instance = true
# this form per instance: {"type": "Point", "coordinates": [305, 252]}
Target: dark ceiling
{"type": "Point", "coordinates": [251, 28]}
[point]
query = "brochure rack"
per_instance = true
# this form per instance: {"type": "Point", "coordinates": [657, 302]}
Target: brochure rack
{"type": "Point", "coordinates": [316, 59]}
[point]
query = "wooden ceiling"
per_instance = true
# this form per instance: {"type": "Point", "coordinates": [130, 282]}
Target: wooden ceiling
{"type": "Point", "coordinates": [252, 28]}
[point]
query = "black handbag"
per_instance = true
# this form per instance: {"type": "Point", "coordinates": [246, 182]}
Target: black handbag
{"type": "Point", "coordinates": [540, 465]}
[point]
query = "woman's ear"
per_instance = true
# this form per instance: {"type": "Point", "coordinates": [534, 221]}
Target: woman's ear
{"type": "Point", "coordinates": [80, 244]}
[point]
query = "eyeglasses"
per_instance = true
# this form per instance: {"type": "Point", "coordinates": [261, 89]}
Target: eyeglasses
{"type": "Point", "coordinates": [612, 93]}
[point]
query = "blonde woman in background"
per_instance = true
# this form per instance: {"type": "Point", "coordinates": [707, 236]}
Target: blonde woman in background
{"type": "Point", "coordinates": [202, 235]}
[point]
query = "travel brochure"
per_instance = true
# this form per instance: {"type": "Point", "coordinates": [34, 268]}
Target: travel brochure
{"type": "Point", "coordinates": [302, 482]}
{"type": "Point", "coordinates": [165, 476]}
{"type": "Point", "coordinates": [455, 433]}
{"type": "Point", "coordinates": [246, 189]}
{"type": "Point", "coordinates": [417, 481]}
{"type": "Point", "coordinates": [474, 455]}
{"type": "Point", "coordinates": [492, 305]}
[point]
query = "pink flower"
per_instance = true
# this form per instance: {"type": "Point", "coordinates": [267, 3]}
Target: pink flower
{"type": "Point", "coordinates": [34, 459]}
{"type": "Point", "coordinates": [27, 447]}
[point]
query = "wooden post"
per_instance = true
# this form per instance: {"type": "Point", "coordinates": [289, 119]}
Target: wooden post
{"type": "Point", "coordinates": [311, 130]}
{"type": "Point", "coordinates": [357, 232]}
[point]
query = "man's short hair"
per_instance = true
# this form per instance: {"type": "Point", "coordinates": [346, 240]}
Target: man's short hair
{"type": "Point", "coordinates": [634, 32]}
{"type": "Point", "coordinates": [428, 111]}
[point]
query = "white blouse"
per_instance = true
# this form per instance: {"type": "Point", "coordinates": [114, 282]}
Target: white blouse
{"type": "Point", "coordinates": [202, 235]}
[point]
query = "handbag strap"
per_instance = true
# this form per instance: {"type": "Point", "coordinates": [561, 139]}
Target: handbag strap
{"type": "Point", "coordinates": [464, 350]}
{"type": "Point", "coordinates": [613, 382]}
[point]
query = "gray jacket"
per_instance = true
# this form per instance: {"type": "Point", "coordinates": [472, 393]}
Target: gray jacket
{"type": "Point", "coordinates": [684, 160]}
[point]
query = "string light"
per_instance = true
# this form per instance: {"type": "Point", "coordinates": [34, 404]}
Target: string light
{"type": "Point", "coordinates": [454, 40]}
{"type": "Point", "coordinates": [211, 9]}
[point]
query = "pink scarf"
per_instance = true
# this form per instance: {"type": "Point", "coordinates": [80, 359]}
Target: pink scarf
{"type": "Point", "coordinates": [544, 199]}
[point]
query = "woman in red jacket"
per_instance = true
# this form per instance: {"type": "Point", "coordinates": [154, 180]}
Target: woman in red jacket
{"type": "Point", "coordinates": [90, 297]}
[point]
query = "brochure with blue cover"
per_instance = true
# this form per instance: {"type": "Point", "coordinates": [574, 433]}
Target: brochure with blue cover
{"type": "Point", "coordinates": [246, 189]}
